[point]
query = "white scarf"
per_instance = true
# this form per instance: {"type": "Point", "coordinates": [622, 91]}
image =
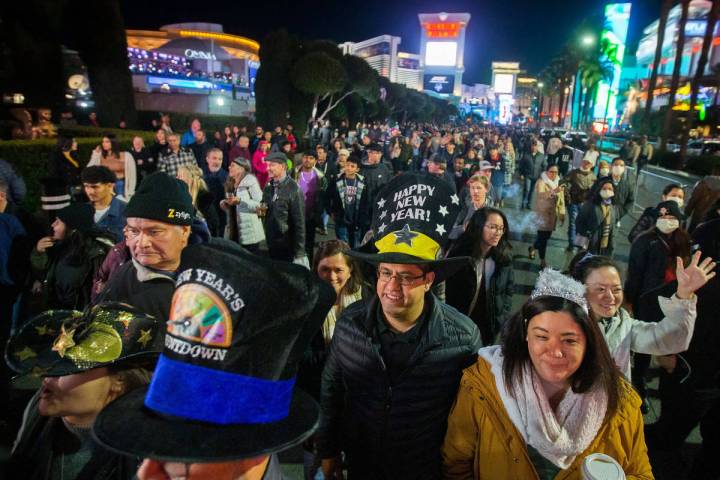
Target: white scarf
{"type": "Point", "coordinates": [550, 183]}
{"type": "Point", "coordinates": [328, 326]}
{"type": "Point", "coordinates": [561, 436]}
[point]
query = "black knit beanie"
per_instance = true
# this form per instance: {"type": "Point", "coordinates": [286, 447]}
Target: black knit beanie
{"type": "Point", "coordinates": [77, 216]}
{"type": "Point", "coordinates": [162, 198]}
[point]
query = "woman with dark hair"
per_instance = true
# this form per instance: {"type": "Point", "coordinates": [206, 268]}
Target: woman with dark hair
{"type": "Point", "coordinates": [674, 192]}
{"type": "Point", "coordinates": [122, 164]}
{"type": "Point", "coordinates": [651, 264]}
{"type": "Point", "coordinates": [624, 334]}
{"type": "Point", "coordinates": [66, 164]}
{"type": "Point", "coordinates": [596, 220]}
{"type": "Point", "coordinates": [546, 399]}
{"type": "Point", "coordinates": [87, 360]}
{"type": "Point", "coordinates": [333, 265]}
{"type": "Point", "coordinates": [65, 262]}
{"type": "Point", "coordinates": [159, 146]}
{"type": "Point", "coordinates": [484, 291]}
{"type": "Point", "coordinates": [549, 208]}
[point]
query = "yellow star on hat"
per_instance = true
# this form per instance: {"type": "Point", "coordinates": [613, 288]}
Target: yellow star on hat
{"type": "Point", "coordinates": [64, 341]}
{"type": "Point", "coordinates": [145, 337]}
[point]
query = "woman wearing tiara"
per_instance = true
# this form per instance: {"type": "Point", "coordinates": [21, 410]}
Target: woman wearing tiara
{"type": "Point", "coordinates": [547, 397]}
{"type": "Point", "coordinates": [624, 334]}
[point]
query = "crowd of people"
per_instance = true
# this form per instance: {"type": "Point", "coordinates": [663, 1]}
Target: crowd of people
{"type": "Point", "coordinates": [186, 321]}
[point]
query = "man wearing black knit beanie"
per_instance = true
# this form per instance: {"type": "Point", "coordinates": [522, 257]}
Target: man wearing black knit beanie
{"type": "Point", "coordinates": [159, 216]}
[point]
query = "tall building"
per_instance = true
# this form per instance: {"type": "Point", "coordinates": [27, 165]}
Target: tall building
{"type": "Point", "coordinates": [504, 81]}
{"type": "Point", "coordinates": [408, 71]}
{"type": "Point", "coordinates": [442, 50]}
{"type": "Point", "coordinates": [382, 54]}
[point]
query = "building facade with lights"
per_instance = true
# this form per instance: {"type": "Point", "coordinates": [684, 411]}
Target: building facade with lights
{"type": "Point", "coordinates": [383, 55]}
{"type": "Point", "coordinates": [694, 33]}
{"type": "Point", "coordinates": [442, 52]}
{"type": "Point", "coordinates": [193, 67]}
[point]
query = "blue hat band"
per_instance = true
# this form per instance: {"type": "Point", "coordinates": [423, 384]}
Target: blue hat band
{"type": "Point", "coordinates": [215, 396]}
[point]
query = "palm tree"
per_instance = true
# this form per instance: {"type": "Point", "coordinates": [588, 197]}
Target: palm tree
{"type": "Point", "coordinates": [699, 73]}
{"type": "Point", "coordinates": [675, 82]}
{"type": "Point", "coordinates": [664, 11]}
{"type": "Point", "coordinates": [594, 71]}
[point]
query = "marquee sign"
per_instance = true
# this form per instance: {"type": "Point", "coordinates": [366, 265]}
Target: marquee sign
{"type": "Point", "coordinates": [442, 30]}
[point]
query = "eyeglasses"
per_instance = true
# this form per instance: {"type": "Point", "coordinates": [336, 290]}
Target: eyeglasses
{"type": "Point", "coordinates": [495, 228]}
{"type": "Point", "coordinates": [405, 280]}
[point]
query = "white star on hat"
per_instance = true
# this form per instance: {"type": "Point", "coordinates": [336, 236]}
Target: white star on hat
{"type": "Point", "coordinates": [443, 210]}
{"type": "Point", "coordinates": [382, 227]}
{"type": "Point", "coordinates": [382, 214]}
{"type": "Point", "coordinates": [440, 229]}
{"type": "Point", "coordinates": [455, 199]}
{"type": "Point", "coordinates": [381, 203]}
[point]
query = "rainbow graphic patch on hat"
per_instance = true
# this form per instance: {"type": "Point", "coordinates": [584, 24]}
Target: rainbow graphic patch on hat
{"type": "Point", "coordinates": [199, 315]}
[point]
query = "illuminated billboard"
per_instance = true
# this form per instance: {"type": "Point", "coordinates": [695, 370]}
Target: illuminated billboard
{"type": "Point", "coordinates": [440, 84]}
{"type": "Point", "coordinates": [503, 82]}
{"type": "Point", "coordinates": [440, 54]}
{"type": "Point", "coordinates": [442, 29]}
{"type": "Point", "coordinates": [612, 41]}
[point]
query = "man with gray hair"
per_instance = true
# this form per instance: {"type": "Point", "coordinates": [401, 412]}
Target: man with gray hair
{"type": "Point", "coordinates": [159, 216]}
{"type": "Point", "coordinates": [175, 157]}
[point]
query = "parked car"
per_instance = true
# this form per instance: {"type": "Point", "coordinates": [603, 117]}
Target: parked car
{"type": "Point", "coordinates": [570, 135]}
{"type": "Point", "coordinates": [703, 147]}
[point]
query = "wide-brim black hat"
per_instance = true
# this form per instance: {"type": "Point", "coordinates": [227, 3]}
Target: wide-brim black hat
{"type": "Point", "coordinates": [128, 427]}
{"type": "Point", "coordinates": [64, 342]}
{"type": "Point", "coordinates": [223, 388]}
{"type": "Point", "coordinates": [412, 218]}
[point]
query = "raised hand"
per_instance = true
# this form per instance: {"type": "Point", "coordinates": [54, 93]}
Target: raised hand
{"type": "Point", "coordinates": [693, 277]}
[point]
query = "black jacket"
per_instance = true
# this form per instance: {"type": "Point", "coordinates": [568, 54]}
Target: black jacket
{"type": "Point", "coordinates": [376, 177]}
{"type": "Point", "coordinates": [589, 223]}
{"type": "Point", "coordinates": [392, 431]}
{"type": "Point", "coordinates": [461, 288]}
{"type": "Point", "coordinates": [336, 197]}
{"type": "Point", "coordinates": [67, 272]}
{"type": "Point", "coordinates": [624, 195]}
{"type": "Point", "coordinates": [285, 218]}
{"type": "Point", "coordinates": [703, 354]}
{"type": "Point", "coordinates": [645, 222]}
{"type": "Point", "coordinates": [42, 439]}
{"type": "Point", "coordinates": [532, 166]}
{"type": "Point", "coordinates": [149, 291]}
{"type": "Point", "coordinates": [647, 264]}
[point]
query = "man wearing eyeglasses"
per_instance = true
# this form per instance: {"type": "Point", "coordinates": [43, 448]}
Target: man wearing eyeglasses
{"type": "Point", "coordinates": [159, 216]}
{"type": "Point", "coordinates": [396, 358]}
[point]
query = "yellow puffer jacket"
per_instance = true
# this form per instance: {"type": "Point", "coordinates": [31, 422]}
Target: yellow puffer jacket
{"type": "Point", "coordinates": [482, 442]}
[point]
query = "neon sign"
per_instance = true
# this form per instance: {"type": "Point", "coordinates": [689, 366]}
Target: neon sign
{"type": "Point", "coordinates": [442, 30]}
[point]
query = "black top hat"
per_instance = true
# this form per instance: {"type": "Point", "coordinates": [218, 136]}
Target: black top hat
{"type": "Point", "coordinates": [412, 218]}
{"type": "Point", "coordinates": [64, 342]}
{"type": "Point", "coordinates": [223, 388]}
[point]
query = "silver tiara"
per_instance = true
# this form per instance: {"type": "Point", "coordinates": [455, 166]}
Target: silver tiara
{"type": "Point", "coordinates": [552, 283]}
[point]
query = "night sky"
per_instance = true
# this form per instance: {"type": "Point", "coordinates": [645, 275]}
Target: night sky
{"type": "Point", "coordinates": [528, 31]}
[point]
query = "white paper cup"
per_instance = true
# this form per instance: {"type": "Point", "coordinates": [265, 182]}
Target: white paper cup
{"type": "Point", "coordinates": [599, 466]}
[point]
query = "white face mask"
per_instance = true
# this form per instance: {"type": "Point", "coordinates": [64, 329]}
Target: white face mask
{"type": "Point", "coordinates": [667, 225]}
{"type": "Point", "coordinates": [677, 200]}
{"type": "Point", "coordinates": [606, 194]}
{"type": "Point", "coordinates": [617, 171]}
{"type": "Point", "coordinates": [604, 172]}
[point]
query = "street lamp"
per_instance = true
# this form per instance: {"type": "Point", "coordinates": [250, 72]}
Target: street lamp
{"type": "Point", "coordinates": [587, 40]}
